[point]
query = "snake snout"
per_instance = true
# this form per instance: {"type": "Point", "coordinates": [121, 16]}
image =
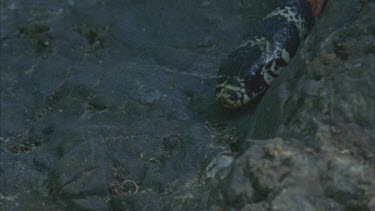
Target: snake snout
{"type": "Point", "coordinates": [231, 93]}
{"type": "Point", "coordinates": [227, 98]}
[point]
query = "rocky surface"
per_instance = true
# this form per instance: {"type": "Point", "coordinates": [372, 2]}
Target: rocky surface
{"type": "Point", "coordinates": [108, 105]}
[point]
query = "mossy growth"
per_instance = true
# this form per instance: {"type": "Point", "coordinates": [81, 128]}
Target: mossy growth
{"type": "Point", "coordinates": [40, 34]}
{"type": "Point", "coordinates": [96, 37]}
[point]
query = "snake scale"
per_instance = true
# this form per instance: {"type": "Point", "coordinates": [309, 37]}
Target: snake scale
{"type": "Point", "coordinates": [250, 68]}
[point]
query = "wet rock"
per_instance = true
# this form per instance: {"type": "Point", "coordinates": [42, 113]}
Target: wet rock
{"type": "Point", "coordinates": [94, 94]}
{"type": "Point", "coordinates": [219, 165]}
{"type": "Point", "coordinates": [92, 203]}
{"type": "Point", "coordinates": [340, 188]}
{"type": "Point", "coordinates": [272, 174]}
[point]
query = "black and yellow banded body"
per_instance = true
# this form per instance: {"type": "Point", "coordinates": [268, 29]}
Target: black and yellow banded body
{"type": "Point", "coordinates": [254, 63]}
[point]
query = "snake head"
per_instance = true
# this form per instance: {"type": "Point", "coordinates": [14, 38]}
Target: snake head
{"type": "Point", "coordinates": [231, 92]}
{"type": "Point", "coordinates": [236, 92]}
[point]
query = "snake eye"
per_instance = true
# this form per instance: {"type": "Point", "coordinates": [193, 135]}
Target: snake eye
{"type": "Point", "coordinates": [229, 99]}
{"type": "Point", "coordinates": [233, 96]}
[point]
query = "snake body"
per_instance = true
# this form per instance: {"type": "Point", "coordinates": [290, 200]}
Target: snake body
{"type": "Point", "coordinates": [254, 63]}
